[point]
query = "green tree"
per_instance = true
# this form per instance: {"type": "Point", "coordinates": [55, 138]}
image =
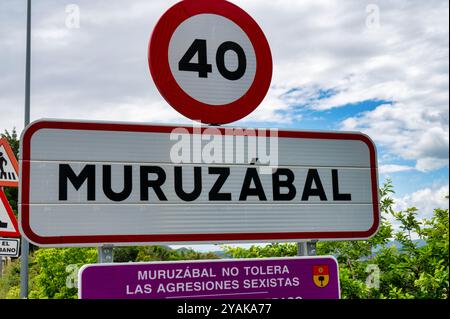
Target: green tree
{"type": "Point", "coordinates": [125, 254]}
{"type": "Point", "coordinates": [10, 282]}
{"type": "Point", "coordinates": [57, 271]}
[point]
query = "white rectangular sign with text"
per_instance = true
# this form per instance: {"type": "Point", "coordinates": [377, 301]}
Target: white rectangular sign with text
{"type": "Point", "coordinates": [9, 247]}
{"type": "Point", "coordinates": [85, 183]}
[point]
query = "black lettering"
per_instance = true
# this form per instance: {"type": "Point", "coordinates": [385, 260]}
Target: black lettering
{"type": "Point", "coordinates": [198, 48]}
{"type": "Point", "coordinates": [258, 190]}
{"type": "Point", "coordinates": [220, 60]}
{"type": "Point", "coordinates": [127, 183]}
{"type": "Point", "coordinates": [155, 184]}
{"type": "Point", "coordinates": [214, 193]}
{"type": "Point", "coordinates": [336, 195]}
{"type": "Point", "coordinates": [188, 197]}
{"type": "Point", "coordinates": [66, 173]}
{"type": "Point", "coordinates": [313, 177]}
{"type": "Point", "coordinates": [288, 183]}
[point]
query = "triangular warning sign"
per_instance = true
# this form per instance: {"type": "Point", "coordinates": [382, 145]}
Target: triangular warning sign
{"type": "Point", "coordinates": [8, 222]}
{"type": "Point", "coordinates": [9, 168]}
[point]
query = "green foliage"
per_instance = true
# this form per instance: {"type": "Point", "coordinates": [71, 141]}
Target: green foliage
{"type": "Point", "coordinates": [57, 269]}
{"type": "Point", "coordinates": [413, 272]}
{"type": "Point", "coordinates": [125, 254]}
{"type": "Point", "coordinates": [10, 280]}
{"type": "Point", "coordinates": [13, 293]}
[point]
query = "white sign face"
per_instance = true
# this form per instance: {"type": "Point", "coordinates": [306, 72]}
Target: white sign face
{"type": "Point", "coordinates": [88, 183]}
{"type": "Point", "coordinates": [227, 53]}
{"type": "Point", "coordinates": [9, 247]}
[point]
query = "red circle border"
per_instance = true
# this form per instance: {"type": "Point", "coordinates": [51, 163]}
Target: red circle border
{"type": "Point", "coordinates": [175, 95]}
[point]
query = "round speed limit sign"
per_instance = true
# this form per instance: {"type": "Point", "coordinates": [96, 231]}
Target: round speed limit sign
{"type": "Point", "coordinates": [210, 60]}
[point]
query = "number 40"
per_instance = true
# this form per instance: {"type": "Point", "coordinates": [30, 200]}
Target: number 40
{"type": "Point", "coordinates": [203, 68]}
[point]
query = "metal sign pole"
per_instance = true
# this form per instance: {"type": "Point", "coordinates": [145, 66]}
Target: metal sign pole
{"type": "Point", "coordinates": [105, 254]}
{"type": "Point", "coordinates": [1, 266]}
{"type": "Point", "coordinates": [301, 249]}
{"type": "Point", "coordinates": [25, 245]}
{"type": "Point", "coordinates": [311, 248]}
{"type": "Point", "coordinates": [306, 248]}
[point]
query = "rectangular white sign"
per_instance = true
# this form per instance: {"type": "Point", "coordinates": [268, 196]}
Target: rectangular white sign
{"type": "Point", "coordinates": [86, 183]}
{"type": "Point", "coordinates": [9, 247]}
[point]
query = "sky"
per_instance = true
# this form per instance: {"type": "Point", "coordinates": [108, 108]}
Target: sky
{"type": "Point", "coordinates": [379, 67]}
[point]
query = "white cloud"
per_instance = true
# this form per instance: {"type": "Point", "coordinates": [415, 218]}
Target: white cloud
{"type": "Point", "coordinates": [415, 135]}
{"type": "Point", "coordinates": [413, 74]}
{"type": "Point", "coordinates": [404, 61]}
{"type": "Point", "coordinates": [394, 168]}
{"type": "Point", "coordinates": [429, 164]}
{"type": "Point", "coordinates": [425, 200]}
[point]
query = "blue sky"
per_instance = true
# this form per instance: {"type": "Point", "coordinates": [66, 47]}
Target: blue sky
{"type": "Point", "coordinates": [338, 65]}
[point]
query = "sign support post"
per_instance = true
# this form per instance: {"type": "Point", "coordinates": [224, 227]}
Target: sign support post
{"type": "Point", "coordinates": [311, 247]}
{"type": "Point", "coordinates": [1, 266]}
{"type": "Point", "coordinates": [301, 249]}
{"type": "Point", "coordinates": [105, 254]}
{"type": "Point", "coordinates": [25, 245]}
{"type": "Point", "coordinates": [306, 248]}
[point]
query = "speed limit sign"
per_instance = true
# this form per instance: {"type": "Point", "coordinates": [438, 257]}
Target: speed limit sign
{"type": "Point", "coordinates": [210, 60]}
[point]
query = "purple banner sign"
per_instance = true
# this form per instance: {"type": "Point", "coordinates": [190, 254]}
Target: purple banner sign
{"type": "Point", "coordinates": [274, 278]}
